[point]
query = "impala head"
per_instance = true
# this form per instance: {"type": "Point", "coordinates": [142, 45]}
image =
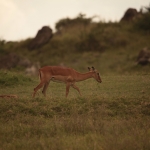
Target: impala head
{"type": "Point", "coordinates": [95, 74]}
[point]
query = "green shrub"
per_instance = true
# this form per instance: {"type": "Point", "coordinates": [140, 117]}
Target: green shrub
{"type": "Point", "coordinates": [2, 49]}
{"type": "Point", "coordinates": [143, 23]}
{"type": "Point", "coordinates": [12, 79]}
{"type": "Point", "coordinates": [67, 22]}
{"type": "Point", "coordinates": [89, 43]}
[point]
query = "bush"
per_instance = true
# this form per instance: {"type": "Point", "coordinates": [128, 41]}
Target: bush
{"type": "Point", "coordinates": [89, 43]}
{"type": "Point", "coordinates": [67, 22]}
{"type": "Point", "coordinates": [2, 50]}
{"type": "Point", "coordinates": [143, 22]}
{"type": "Point", "coordinates": [12, 79]}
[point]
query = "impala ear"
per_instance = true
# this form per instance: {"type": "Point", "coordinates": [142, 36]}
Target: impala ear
{"type": "Point", "coordinates": [89, 68]}
{"type": "Point", "coordinates": [93, 68]}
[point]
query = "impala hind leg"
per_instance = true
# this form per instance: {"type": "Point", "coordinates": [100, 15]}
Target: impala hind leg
{"type": "Point", "coordinates": [37, 88]}
{"type": "Point", "coordinates": [45, 88]}
{"type": "Point", "coordinates": [75, 87]}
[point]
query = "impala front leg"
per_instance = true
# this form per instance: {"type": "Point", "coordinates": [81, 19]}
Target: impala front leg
{"type": "Point", "coordinates": [67, 88]}
{"type": "Point", "coordinates": [75, 87]}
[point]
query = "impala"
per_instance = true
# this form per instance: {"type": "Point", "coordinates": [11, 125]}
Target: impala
{"type": "Point", "coordinates": [68, 76]}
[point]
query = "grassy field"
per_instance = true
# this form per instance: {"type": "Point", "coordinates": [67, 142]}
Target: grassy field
{"type": "Point", "coordinates": [112, 115]}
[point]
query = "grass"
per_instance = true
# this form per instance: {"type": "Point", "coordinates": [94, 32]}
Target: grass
{"type": "Point", "coordinates": [112, 115]}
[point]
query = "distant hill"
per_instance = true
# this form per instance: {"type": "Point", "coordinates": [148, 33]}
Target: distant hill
{"type": "Point", "coordinates": [111, 47]}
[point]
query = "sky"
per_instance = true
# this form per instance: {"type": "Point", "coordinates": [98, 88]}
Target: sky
{"type": "Point", "coordinates": [21, 19]}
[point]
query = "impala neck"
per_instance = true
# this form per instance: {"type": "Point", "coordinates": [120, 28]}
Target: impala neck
{"type": "Point", "coordinates": [83, 76]}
